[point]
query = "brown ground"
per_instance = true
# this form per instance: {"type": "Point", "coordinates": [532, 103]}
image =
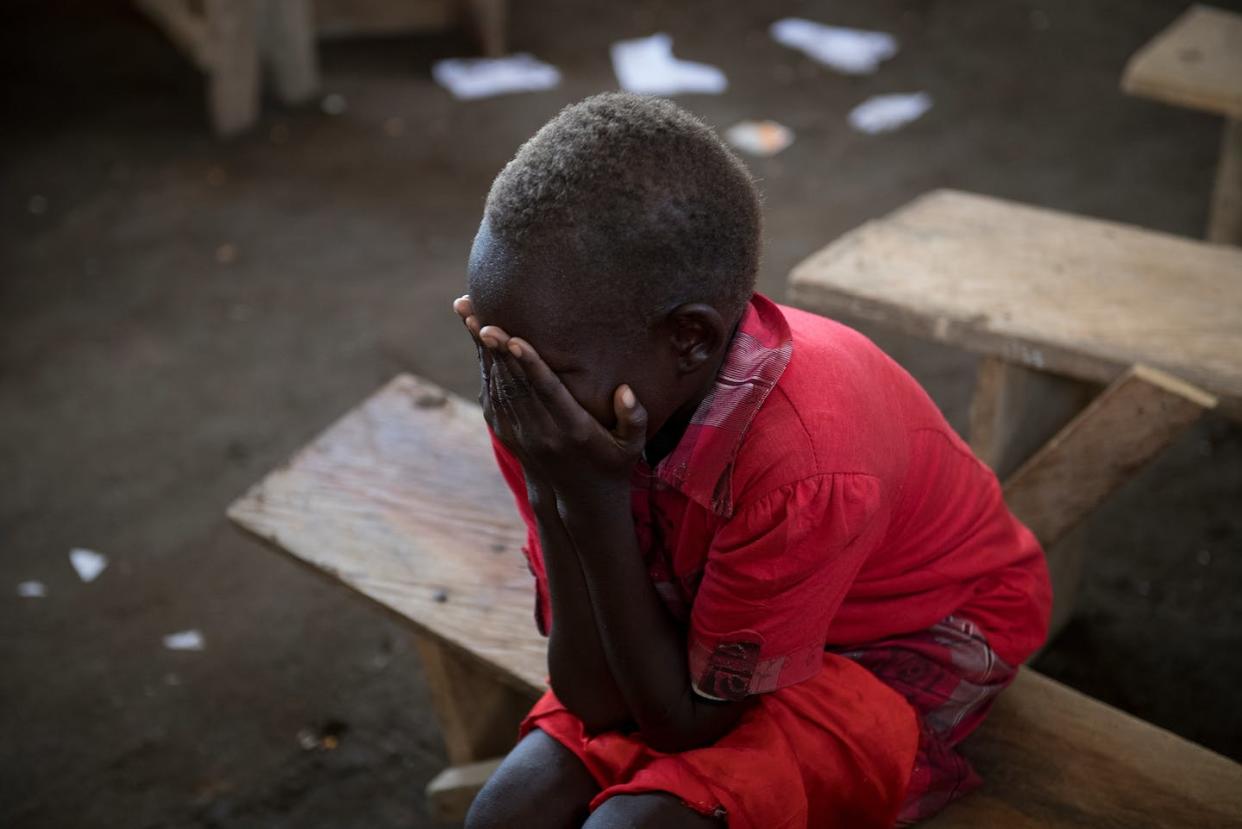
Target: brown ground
{"type": "Point", "coordinates": [146, 383]}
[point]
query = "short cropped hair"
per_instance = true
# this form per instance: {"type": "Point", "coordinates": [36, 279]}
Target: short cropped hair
{"type": "Point", "coordinates": [644, 196]}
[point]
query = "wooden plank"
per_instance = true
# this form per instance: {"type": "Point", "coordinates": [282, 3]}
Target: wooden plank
{"type": "Point", "coordinates": [1196, 62]}
{"type": "Point", "coordinates": [1060, 293]}
{"type": "Point", "coordinates": [1099, 450]}
{"type": "Point", "coordinates": [232, 65]}
{"type": "Point", "coordinates": [287, 43]}
{"type": "Point", "coordinates": [1225, 221]}
{"type": "Point", "coordinates": [451, 792]}
{"type": "Point", "coordinates": [1121, 430]}
{"type": "Point", "coordinates": [1051, 756]}
{"type": "Point", "coordinates": [401, 501]}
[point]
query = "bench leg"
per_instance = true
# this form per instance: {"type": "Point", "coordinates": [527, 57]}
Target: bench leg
{"type": "Point", "coordinates": [478, 714]}
{"type": "Point", "coordinates": [1225, 220]}
{"type": "Point", "coordinates": [1016, 409]}
{"type": "Point", "coordinates": [232, 65]}
{"type": "Point", "coordinates": [488, 19]}
{"type": "Point", "coordinates": [1129, 424]}
{"type": "Point", "coordinates": [287, 40]}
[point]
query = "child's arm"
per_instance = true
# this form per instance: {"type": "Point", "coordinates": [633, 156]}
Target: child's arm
{"type": "Point", "coordinates": [579, 669]}
{"type": "Point", "coordinates": [589, 469]}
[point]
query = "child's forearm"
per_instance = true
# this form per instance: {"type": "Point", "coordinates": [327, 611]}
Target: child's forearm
{"type": "Point", "coordinates": [643, 645]}
{"type": "Point", "coordinates": [581, 676]}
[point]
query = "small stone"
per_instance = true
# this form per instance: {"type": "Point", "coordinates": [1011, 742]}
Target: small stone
{"type": "Point", "coordinates": [1204, 557]}
{"type": "Point", "coordinates": [1040, 21]}
{"type": "Point", "coordinates": [394, 127]}
{"type": "Point", "coordinates": [37, 205]}
{"type": "Point", "coordinates": [1143, 588]}
{"type": "Point", "coordinates": [32, 590]}
{"type": "Point", "coordinates": [441, 596]}
{"type": "Point", "coordinates": [307, 740]}
{"type": "Point", "coordinates": [226, 254]}
{"type": "Point", "coordinates": [216, 176]}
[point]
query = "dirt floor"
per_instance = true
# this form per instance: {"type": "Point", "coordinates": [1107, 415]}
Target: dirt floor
{"type": "Point", "coordinates": [177, 315]}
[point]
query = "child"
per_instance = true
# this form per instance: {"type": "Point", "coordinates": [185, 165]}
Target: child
{"type": "Point", "coordinates": [778, 588]}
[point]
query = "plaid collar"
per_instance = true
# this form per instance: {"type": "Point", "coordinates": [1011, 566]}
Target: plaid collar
{"type": "Point", "coordinates": [701, 465]}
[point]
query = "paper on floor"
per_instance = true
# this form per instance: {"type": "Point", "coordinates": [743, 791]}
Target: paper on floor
{"type": "Point", "coordinates": [88, 563]}
{"type": "Point", "coordinates": [32, 590]}
{"type": "Point", "coordinates": [646, 66]}
{"type": "Point", "coordinates": [852, 51]}
{"type": "Point", "coordinates": [761, 138]}
{"type": "Point", "coordinates": [186, 640]}
{"type": "Point", "coordinates": [885, 113]}
{"type": "Point", "coordinates": [469, 78]}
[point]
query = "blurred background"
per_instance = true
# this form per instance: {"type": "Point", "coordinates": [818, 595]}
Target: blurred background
{"type": "Point", "coordinates": [180, 312]}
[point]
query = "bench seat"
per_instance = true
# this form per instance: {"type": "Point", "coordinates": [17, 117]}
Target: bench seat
{"type": "Point", "coordinates": [401, 502]}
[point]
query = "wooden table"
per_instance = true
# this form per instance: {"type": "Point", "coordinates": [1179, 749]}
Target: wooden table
{"type": "Point", "coordinates": [401, 501]}
{"type": "Point", "coordinates": [1059, 305]}
{"type": "Point", "coordinates": [1197, 62]}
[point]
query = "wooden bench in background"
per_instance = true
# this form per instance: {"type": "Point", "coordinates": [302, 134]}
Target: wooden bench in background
{"type": "Point", "coordinates": [1197, 63]}
{"type": "Point", "coordinates": [1058, 305]}
{"type": "Point", "coordinates": [401, 502]}
{"type": "Point", "coordinates": [235, 42]}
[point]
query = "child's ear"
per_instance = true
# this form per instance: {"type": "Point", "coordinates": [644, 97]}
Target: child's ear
{"type": "Point", "coordinates": [697, 333]}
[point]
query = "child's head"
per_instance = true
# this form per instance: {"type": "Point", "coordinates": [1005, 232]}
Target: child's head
{"type": "Point", "coordinates": [622, 242]}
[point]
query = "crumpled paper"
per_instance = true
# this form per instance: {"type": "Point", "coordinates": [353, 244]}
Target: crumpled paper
{"type": "Point", "coordinates": [852, 51]}
{"type": "Point", "coordinates": [469, 78]}
{"type": "Point", "coordinates": [646, 66]}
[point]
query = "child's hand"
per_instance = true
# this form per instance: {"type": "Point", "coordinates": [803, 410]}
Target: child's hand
{"type": "Point", "coordinates": [465, 309]}
{"type": "Point", "coordinates": [533, 413]}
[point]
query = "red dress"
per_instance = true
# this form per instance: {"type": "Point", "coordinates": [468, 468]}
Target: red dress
{"type": "Point", "coordinates": [820, 516]}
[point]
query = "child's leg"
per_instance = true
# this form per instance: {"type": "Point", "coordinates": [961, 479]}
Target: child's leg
{"type": "Point", "coordinates": [651, 811]}
{"type": "Point", "coordinates": [540, 783]}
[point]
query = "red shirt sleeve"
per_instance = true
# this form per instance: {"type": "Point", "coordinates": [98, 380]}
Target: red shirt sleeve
{"type": "Point", "coordinates": [511, 469]}
{"type": "Point", "coordinates": [776, 573]}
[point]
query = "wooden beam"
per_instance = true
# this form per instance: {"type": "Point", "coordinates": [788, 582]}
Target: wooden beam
{"type": "Point", "coordinates": [1225, 221]}
{"type": "Point", "coordinates": [1130, 423]}
{"type": "Point", "coordinates": [489, 19]}
{"type": "Point", "coordinates": [287, 43]}
{"type": "Point", "coordinates": [451, 792]}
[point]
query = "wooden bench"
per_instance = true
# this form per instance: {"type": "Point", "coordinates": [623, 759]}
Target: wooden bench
{"type": "Point", "coordinates": [1197, 63]}
{"type": "Point", "coordinates": [401, 502]}
{"type": "Point", "coordinates": [232, 42]}
{"type": "Point", "coordinates": [1058, 305]}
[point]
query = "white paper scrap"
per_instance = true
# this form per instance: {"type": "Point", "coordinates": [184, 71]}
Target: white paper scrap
{"type": "Point", "coordinates": [646, 66]}
{"type": "Point", "coordinates": [186, 640]}
{"type": "Point", "coordinates": [761, 138]}
{"type": "Point", "coordinates": [469, 78]}
{"type": "Point", "coordinates": [852, 51]}
{"type": "Point", "coordinates": [32, 590]}
{"type": "Point", "coordinates": [88, 563]}
{"type": "Point", "coordinates": [885, 113]}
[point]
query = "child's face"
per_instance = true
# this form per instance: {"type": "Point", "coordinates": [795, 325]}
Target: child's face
{"type": "Point", "coordinates": [590, 360]}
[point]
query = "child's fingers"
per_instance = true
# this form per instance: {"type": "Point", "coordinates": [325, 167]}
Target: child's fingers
{"type": "Point", "coordinates": [463, 306]}
{"type": "Point", "coordinates": [542, 380]}
{"type": "Point", "coordinates": [631, 428]}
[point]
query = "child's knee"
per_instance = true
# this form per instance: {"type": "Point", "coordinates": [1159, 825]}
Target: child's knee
{"type": "Point", "coordinates": [653, 810]}
{"type": "Point", "coordinates": [540, 783]}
